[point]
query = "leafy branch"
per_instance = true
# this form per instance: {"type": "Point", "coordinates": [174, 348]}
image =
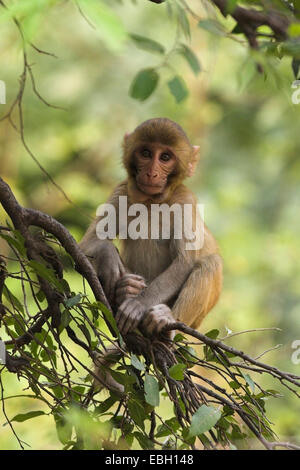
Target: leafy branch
{"type": "Point", "coordinates": [226, 411]}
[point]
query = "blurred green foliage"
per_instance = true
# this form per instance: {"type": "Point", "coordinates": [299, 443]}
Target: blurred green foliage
{"type": "Point", "coordinates": [248, 176]}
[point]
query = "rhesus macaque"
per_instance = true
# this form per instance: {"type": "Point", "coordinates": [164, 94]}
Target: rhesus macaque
{"type": "Point", "coordinates": [157, 281]}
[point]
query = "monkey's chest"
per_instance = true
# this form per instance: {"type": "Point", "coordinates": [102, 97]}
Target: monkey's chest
{"type": "Point", "coordinates": [149, 258]}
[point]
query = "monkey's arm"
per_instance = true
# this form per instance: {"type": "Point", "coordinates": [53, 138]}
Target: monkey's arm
{"type": "Point", "coordinates": [102, 253]}
{"type": "Point", "coordinates": [206, 266]}
{"type": "Point", "coordinates": [167, 285]}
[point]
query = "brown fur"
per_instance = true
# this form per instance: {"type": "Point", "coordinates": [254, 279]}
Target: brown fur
{"type": "Point", "coordinates": [189, 282]}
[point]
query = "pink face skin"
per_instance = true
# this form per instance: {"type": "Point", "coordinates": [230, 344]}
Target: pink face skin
{"type": "Point", "coordinates": [154, 163]}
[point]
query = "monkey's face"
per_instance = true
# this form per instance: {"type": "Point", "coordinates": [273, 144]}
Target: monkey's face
{"type": "Point", "coordinates": [154, 163]}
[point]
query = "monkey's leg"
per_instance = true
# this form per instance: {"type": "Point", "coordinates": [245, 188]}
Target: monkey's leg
{"type": "Point", "coordinates": [128, 285]}
{"type": "Point", "coordinates": [102, 363]}
{"type": "Point", "coordinates": [200, 292]}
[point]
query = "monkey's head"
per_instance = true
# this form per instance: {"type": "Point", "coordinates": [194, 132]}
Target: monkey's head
{"type": "Point", "coordinates": [158, 155]}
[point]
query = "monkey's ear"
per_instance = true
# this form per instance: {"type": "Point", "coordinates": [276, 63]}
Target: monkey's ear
{"type": "Point", "coordinates": [194, 160]}
{"type": "Point", "coordinates": [126, 137]}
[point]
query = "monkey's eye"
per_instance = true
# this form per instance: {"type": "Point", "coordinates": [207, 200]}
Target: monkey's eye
{"type": "Point", "coordinates": [165, 157]}
{"type": "Point", "coordinates": [146, 153]}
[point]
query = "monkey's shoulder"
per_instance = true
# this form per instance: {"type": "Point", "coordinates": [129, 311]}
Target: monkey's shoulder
{"type": "Point", "coordinates": [182, 195]}
{"type": "Point", "coordinates": [120, 190]}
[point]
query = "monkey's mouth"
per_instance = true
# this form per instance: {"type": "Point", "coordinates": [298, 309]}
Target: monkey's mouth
{"type": "Point", "coordinates": [150, 187]}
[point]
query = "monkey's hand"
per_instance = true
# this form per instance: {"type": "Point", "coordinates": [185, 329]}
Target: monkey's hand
{"type": "Point", "coordinates": [156, 319]}
{"type": "Point", "coordinates": [129, 285]}
{"type": "Point", "coordinates": [109, 267]}
{"type": "Point", "coordinates": [129, 315]}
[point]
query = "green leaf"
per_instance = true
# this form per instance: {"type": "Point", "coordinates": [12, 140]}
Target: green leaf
{"type": "Point", "coordinates": [212, 26]}
{"type": "Point", "coordinates": [107, 23]}
{"type": "Point", "coordinates": [237, 433]}
{"type": "Point", "coordinates": [294, 29]}
{"type": "Point", "coordinates": [183, 22]}
{"type": "Point", "coordinates": [109, 317]}
{"type": "Point", "coordinates": [58, 391]}
{"type": "Point", "coordinates": [29, 14]}
{"type": "Point", "coordinates": [43, 336]}
{"type": "Point", "coordinates": [120, 422]}
{"type": "Point", "coordinates": [178, 337]}
{"type": "Point", "coordinates": [249, 381]}
{"type": "Point", "coordinates": [296, 67]}
{"type": "Point", "coordinates": [63, 428]}
{"type": "Point", "coordinates": [77, 392]}
{"type": "Point", "coordinates": [291, 48]}
{"type": "Point", "coordinates": [65, 285]}
{"type": "Point", "coordinates": [189, 354]}
{"type": "Point", "coordinates": [129, 439]}
{"type": "Point", "coordinates": [25, 416]}
{"type": "Point", "coordinates": [31, 24]}
{"type": "Point", "coordinates": [237, 30]}
{"type": "Point", "coordinates": [19, 325]}
{"type": "Point", "coordinates": [45, 273]}
{"type": "Point", "coordinates": [17, 244]}
{"type": "Point", "coordinates": [46, 356]}
{"type": "Point", "coordinates": [144, 441]}
{"type": "Point", "coordinates": [86, 333]}
{"type": "Point", "coordinates": [40, 296]}
{"type": "Point", "coordinates": [123, 379]}
{"type": "Point", "coordinates": [190, 57]}
{"type": "Point", "coordinates": [144, 84]}
{"type": "Point", "coordinates": [65, 318]}
{"type": "Point", "coordinates": [73, 301]}
{"type": "Point", "coordinates": [203, 420]}
{"type": "Point", "coordinates": [235, 385]}
{"type": "Point", "coordinates": [136, 363]}
{"type": "Point", "coordinates": [137, 412]}
{"type": "Point", "coordinates": [147, 44]}
{"type": "Point", "coordinates": [12, 299]}
{"type": "Point", "coordinates": [176, 371]}
{"type": "Point", "coordinates": [170, 425]}
{"type": "Point", "coordinates": [230, 6]}
{"type": "Point", "coordinates": [213, 334]}
{"type": "Point", "coordinates": [178, 88]}
{"type": "Point", "coordinates": [151, 390]}
{"type": "Point", "coordinates": [106, 405]}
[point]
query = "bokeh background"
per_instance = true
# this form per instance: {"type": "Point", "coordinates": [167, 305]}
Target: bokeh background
{"type": "Point", "coordinates": [248, 175]}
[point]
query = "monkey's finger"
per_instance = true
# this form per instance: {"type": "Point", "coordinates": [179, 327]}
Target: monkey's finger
{"type": "Point", "coordinates": [121, 322]}
{"type": "Point", "coordinates": [131, 282]}
{"type": "Point", "coordinates": [122, 269]}
{"type": "Point", "coordinates": [121, 311]}
{"type": "Point", "coordinates": [130, 288]}
{"type": "Point", "coordinates": [152, 325]}
{"type": "Point", "coordinates": [119, 298]}
{"type": "Point", "coordinates": [147, 322]}
{"type": "Point", "coordinates": [125, 327]}
{"type": "Point", "coordinates": [120, 314]}
{"type": "Point", "coordinates": [133, 276]}
{"type": "Point", "coordinates": [123, 317]}
{"type": "Point", "coordinates": [133, 319]}
{"type": "Point", "coordinates": [163, 320]}
{"type": "Point", "coordinates": [130, 324]}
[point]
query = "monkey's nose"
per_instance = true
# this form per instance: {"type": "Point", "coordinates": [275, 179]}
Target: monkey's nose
{"type": "Point", "coordinates": [152, 174]}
